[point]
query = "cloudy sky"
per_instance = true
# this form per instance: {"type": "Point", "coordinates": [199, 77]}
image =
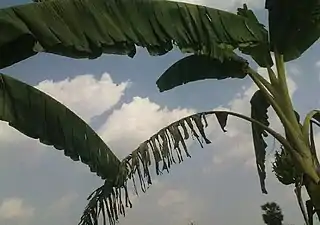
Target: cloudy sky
{"type": "Point", "coordinates": [118, 96]}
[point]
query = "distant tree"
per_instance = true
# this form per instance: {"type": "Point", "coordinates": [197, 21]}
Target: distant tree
{"type": "Point", "coordinates": [272, 214]}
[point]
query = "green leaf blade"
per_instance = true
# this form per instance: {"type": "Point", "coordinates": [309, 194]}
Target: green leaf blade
{"type": "Point", "coordinates": [259, 109]}
{"type": "Point", "coordinates": [86, 29]}
{"type": "Point", "coordinates": [260, 53]}
{"type": "Point", "coordinates": [294, 26]}
{"type": "Point", "coordinates": [39, 116]}
{"type": "Point", "coordinates": [199, 67]}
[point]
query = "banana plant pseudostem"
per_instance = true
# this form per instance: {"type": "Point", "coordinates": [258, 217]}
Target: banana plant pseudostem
{"type": "Point", "coordinates": [87, 29]}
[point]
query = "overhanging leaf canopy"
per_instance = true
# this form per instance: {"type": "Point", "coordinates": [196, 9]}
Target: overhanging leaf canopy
{"type": "Point", "coordinates": [294, 26]}
{"type": "Point", "coordinates": [88, 28]}
{"type": "Point", "coordinates": [39, 116]}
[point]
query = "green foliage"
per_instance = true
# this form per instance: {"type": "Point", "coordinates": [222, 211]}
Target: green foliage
{"type": "Point", "coordinates": [184, 70]}
{"type": "Point", "coordinates": [39, 116]}
{"type": "Point", "coordinates": [294, 26]}
{"type": "Point", "coordinates": [260, 53]}
{"type": "Point", "coordinates": [284, 167]}
{"type": "Point", "coordinates": [259, 109]}
{"type": "Point", "coordinates": [86, 29]}
{"type": "Point", "coordinates": [162, 150]}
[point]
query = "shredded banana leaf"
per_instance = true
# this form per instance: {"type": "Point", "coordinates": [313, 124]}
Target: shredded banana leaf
{"type": "Point", "coordinates": [162, 150]}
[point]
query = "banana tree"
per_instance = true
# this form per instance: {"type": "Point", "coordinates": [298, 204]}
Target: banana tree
{"type": "Point", "coordinates": [87, 29]}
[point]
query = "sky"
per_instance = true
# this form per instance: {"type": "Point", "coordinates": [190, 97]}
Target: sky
{"type": "Point", "coordinates": [118, 97]}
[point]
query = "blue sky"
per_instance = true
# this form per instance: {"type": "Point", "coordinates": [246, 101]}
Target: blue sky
{"type": "Point", "coordinates": [118, 96]}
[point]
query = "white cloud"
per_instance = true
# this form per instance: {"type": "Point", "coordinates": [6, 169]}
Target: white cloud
{"type": "Point", "coordinates": [293, 69]}
{"type": "Point", "coordinates": [135, 122]}
{"type": "Point", "coordinates": [14, 208]}
{"type": "Point", "coordinates": [217, 160]}
{"type": "Point", "coordinates": [63, 203]}
{"type": "Point", "coordinates": [227, 5]}
{"type": "Point", "coordinates": [86, 95]}
{"type": "Point", "coordinates": [172, 196]}
{"type": "Point", "coordinates": [180, 206]}
{"type": "Point", "coordinates": [18, 148]}
{"type": "Point", "coordinates": [317, 65]}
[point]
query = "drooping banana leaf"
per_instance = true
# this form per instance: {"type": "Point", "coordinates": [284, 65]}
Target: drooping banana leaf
{"type": "Point", "coordinates": [199, 67]}
{"type": "Point", "coordinates": [294, 26]}
{"type": "Point", "coordinates": [259, 110]}
{"type": "Point", "coordinates": [39, 116]}
{"type": "Point", "coordinates": [88, 28]}
{"type": "Point", "coordinates": [162, 150]}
